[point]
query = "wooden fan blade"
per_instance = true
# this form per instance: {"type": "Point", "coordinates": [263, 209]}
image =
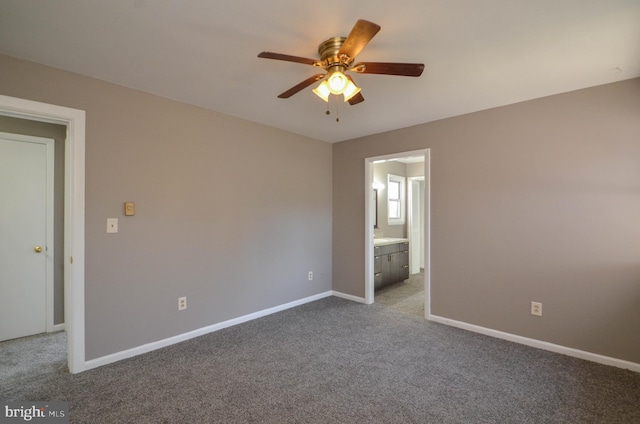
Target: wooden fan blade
{"type": "Point", "coordinates": [289, 58]}
{"type": "Point", "coordinates": [362, 32]}
{"type": "Point", "coordinates": [386, 68]}
{"type": "Point", "coordinates": [304, 84]}
{"type": "Point", "coordinates": [356, 99]}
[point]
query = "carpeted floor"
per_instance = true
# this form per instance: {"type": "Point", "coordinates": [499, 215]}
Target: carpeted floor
{"type": "Point", "coordinates": [336, 361]}
{"type": "Point", "coordinates": [40, 355]}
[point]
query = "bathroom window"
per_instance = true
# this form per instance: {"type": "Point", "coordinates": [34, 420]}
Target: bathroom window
{"type": "Point", "coordinates": [395, 199]}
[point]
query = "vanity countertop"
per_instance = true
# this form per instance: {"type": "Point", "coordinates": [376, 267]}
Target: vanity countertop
{"type": "Point", "coordinates": [383, 241]}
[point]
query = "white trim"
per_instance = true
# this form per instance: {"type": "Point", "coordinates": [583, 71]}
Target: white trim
{"type": "Point", "coordinates": [348, 297]}
{"type": "Point", "coordinates": [57, 327]}
{"type": "Point", "coordinates": [50, 249]}
{"type": "Point", "coordinates": [139, 350]}
{"type": "Point", "coordinates": [411, 222]}
{"type": "Point", "coordinates": [576, 353]}
{"type": "Point", "coordinates": [74, 120]}
{"type": "Point", "coordinates": [368, 223]}
{"type": "Point", "coordinates": [427, 233]}
{"type": "Point", "coordinates": [368, 230]}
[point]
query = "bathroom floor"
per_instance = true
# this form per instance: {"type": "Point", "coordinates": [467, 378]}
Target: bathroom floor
{"type": "Point", "coordinates": [406, 296]}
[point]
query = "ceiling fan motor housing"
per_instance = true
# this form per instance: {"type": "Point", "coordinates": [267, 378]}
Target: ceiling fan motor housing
{"type": "Point", "coordinates": [328, 51]}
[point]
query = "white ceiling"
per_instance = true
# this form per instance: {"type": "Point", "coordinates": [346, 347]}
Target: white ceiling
{"type": "Point", "coordinates": [478, 53]}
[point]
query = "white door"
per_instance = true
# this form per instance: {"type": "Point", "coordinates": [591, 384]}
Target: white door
{"type": "Point", "coordinates": [26, 234]}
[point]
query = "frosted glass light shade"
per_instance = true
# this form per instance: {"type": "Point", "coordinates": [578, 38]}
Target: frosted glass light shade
{"type": "Point", "coordinates": [337, 82]}
{"type": "Point", "coordinates": [341, 85]}
{"type": "Point", "coordinates": [323, 91]}
{"type": "Point", "coordinates": [350, 91]}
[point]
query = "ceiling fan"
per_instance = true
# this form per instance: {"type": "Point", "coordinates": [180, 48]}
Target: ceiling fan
{"type": "Point", "coordinates": [337, 56]}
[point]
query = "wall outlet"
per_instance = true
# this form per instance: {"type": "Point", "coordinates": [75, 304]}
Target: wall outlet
{"type": "Point", "coordinates": [182, 303]}
{"type": "Point", "coordinates": [310, 275]}
{"type": "Point", "coordinates": [536, 309]}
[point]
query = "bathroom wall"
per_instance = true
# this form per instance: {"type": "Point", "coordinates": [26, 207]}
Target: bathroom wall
{"type": "Point", "coordinates": [415, 169]}
{"type": "Point", "coordinates": [380, 172]}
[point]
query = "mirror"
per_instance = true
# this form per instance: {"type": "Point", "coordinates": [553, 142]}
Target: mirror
{"type": "Point", "coordinates": [375, 203]}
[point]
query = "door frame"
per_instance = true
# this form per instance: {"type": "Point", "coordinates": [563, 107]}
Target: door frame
{"type": "Point", "coordinates": [49, 144]}
{"type": "Point", "coordinates": [74, 200]}
{"type": "Point", "coordinates": [411, 219]}
{"type": "Point", "coordinates": [368, 222]}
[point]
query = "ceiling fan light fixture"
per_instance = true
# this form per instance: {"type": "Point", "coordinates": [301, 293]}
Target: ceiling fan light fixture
{"type": "Point", "coordinates": [346, 87]}
{"type": "Point", "coordinates": [337, 82]}
{"type": "Point", "coordinates": [323, 91]}
{"type": "Point", "coordinates": [337, 55]}
{"type": "Point", "coordinates": [350, 91]}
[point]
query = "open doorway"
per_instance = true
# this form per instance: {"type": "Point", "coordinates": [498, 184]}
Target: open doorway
{"type": "Point", "coordinates": [397, 230]}
{"type": "Point", "coordinates": [33, 227]}
{"type": "Point", "coordinates": [73, 250]}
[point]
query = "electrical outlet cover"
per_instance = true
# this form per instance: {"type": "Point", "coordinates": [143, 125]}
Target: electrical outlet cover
{"type": "Point", "coordinates": [536, 309]}
{"type": "Point", "coordinates": [182, 303]}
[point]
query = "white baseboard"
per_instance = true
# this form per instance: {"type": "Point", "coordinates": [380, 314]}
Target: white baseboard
{"type": "Point", "coordinates": [348, 296]}
{"type": "Point", "coordinates": [57, 327]}
{"type": "Point", "coordinates": [594, 357]}
{"type": "Point", "coordinates": [118, 356]}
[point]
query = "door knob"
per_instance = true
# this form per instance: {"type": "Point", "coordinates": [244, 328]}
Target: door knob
{"type": "Point", "coordinates": [37, 249]}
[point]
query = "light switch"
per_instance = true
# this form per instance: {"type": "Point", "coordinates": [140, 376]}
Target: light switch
{"type": "Point", "coordinates": [129, 208]}
{"type": "Point", "coordinates": [112, 225]}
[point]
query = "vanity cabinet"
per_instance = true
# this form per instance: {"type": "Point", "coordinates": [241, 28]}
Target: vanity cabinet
{"type": "Point", "coordinates": [390, 263]}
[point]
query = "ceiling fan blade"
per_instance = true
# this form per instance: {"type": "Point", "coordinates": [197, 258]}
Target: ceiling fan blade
{"type": "Point", "coordinates": [387, 68]}
{"type": "Point", "coordinates": [362, 32]}
{"type": "Point", "coordinates": [289, 58]}
{"type": "Point", "coordinates": [304, 84]}
{"type": "Point", "coordinates": [356, 99]}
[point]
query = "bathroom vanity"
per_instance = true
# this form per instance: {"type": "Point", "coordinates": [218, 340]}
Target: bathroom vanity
{"type": "Point", "coordinates": [390, 261]}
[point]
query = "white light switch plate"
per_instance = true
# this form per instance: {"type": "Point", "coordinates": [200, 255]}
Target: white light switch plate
{"type": "Point", "coordinates": [112, 225]}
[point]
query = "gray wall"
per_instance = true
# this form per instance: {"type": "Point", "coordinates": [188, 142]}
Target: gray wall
{"type": "Point", "coordinates": [58, 133]}
{"type": "Point", "coordinates": [229, 213]}
{"type": "Point", "coordinates": [537, 201]}
{"type": "Point", "coordinates": [533, 201]}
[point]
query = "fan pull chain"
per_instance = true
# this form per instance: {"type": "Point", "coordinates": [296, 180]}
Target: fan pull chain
{"type": "Point", "coordinates": [328, 112]}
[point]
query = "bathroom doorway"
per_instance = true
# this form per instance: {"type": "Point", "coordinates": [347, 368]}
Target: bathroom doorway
{"type": "Point", "coordinates": [411, 168]}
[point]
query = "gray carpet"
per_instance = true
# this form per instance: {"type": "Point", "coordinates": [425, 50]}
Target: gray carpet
{"type": "Point", "coordinates": [336, 361]}
{"type": "Point", "coordinates": [41, 354]}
